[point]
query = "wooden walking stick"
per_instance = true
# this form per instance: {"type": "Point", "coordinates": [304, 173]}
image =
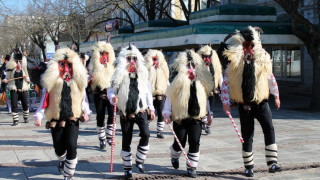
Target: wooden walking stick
{"type": "Point", "coordinates": [14, 78]}
{"type": "Point", "coordinates": [175, 136]}
{"type": "Point", "coordinates": [113, 134]}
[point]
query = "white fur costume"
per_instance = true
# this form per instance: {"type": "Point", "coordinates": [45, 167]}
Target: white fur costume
{"type": "Point", "coordinates": [121, 79]}
{"type": "Point", "coordinates": [10, 74]}
{"type": "Point", "coordinates": [179, 90]}
{"type": "Point", "coordinates": [262, 64]}
{"type": "Point", "coordinates": [215, 63]}
{"type": "Point", "coordinates": [102, 73]}
{"type": "Point", "coordinates": [158, 78]}
{"type": "Point", "coordinates": [52, 81]}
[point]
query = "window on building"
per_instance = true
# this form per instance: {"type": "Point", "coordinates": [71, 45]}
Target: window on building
{"type": "Point", "coordinates": [286, 62]}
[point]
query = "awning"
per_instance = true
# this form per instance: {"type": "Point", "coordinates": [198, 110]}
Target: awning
{"type": "Point", "coordinates": [275, 33]}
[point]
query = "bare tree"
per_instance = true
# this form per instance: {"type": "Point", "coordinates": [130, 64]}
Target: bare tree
{"type": "Point", "coordinates": [76, 25]}
{"type": "Point", "coordinates": [309, 33]}
{"type": "Point", "coordinates": [145, 10]}
{"type": "Point", "coordinates": [54, 23]}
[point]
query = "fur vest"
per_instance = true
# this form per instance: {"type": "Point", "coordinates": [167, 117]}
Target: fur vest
{"type": "Point", "coordinates": [262, 64]}
{"type": "Point", "coordinates": [102, 74]}
{"type": "Point", "coordinates": [122, 83]}
{"type": "Point", "coordinates": [52, 81]}
{"type": "Point", "coordinates": [11, 69]}
{"type": "Point", "coordinates": [159, 77]}
{"type": "Point", "coordinates": [215, 63]}
{"type": "Point", "coordinates": [179, 90]}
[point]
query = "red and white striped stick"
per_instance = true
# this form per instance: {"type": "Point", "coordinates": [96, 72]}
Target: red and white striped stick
{"type": "Point", "coordinates": [235, 127]}
{"type": "Point", "coordinates": [113, 134]}
{"type": "Point", "coordinates": [233, 123]}
{"type": "Point", "coordinates": [175, 136]}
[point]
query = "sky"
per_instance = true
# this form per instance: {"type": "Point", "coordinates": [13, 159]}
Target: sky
{"type": "Point", "coordinates": [16, 4]}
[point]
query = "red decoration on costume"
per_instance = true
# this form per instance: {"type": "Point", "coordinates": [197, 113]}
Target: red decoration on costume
{"type": "Point", "coordinates": [191, 74]}
{"type": "Point", "coordinates": [46, 101]}
{"type": "Point", "coordinates": [248, 52]}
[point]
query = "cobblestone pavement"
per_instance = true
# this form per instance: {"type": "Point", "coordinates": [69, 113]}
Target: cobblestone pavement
{"type": "Point", "coordinates": [26, 151]}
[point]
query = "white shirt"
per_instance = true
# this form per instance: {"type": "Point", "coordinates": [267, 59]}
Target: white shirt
{"type": "Point", "coordinates": [149, 98]}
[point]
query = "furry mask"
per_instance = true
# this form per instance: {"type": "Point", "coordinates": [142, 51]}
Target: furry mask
{"type": "Point", "coordinates": [129, 62]}
{"type": "Point", "coordinates": [188, 64]}
{"type": "Point", "coordinates": [102, 55]}
{"type": "Point", "coordinates": [206, 53]}
{"type": "Point", "coordinates": [130, 58]}
{"type": "Point", "coordinates": [64, 66]}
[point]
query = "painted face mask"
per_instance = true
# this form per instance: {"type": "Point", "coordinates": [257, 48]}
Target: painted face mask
{"type": "Point", "coordinates": [132, 61]}
{"type": "Point", "coordinates": [206, 60]}
{"type": "Point", "coordinates": [104, 58]}
{"type": "Point", "coordinates": [248, 52]}
{"type": "Point", "coordinates": [191, 71]}
{"type": "Point", "coordinates": [155, 62]}
{"type": "Point", "coordinates": [65, 70]}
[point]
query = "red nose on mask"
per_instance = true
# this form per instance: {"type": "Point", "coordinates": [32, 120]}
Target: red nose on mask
{"type": "Point", "coordinates": [104, 58]}
{"type": "Point", "coordinates": [207, 61]}
{"type": "Point", "coordinates": [18, 66]}
{"type": "Point", "coordinates": [132, 67]}
{"type": "Point", "coordinates": [156, 64]}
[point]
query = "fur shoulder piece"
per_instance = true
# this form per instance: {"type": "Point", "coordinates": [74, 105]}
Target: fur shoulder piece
{"type": "Point", "coordinates": [11, 65]}
{"type": "Point", "coordinates": [51, 76]}
{"type": "Point", "coordinates": [121, 66]}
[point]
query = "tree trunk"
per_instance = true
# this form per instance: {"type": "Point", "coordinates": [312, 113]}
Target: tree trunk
{"type": "Point", "coordinates": [78, 46]}
{"type": "Point", "coordinates": [43, 50]}
{"type": "Point", "coordinates": [315, 101]}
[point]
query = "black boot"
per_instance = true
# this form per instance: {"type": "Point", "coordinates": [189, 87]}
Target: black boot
{"type": "Point", "coordinates": [192, 173]}
{"type": "Point", "coordinates": [109, 141]}
{"type": "Point", "coordinates": [26, 120]}
{"type": "Point", "coordinates": [275, 168]}
{"type": "Point", "coordinates": [160, 135]}
{"type": "Point", "coordinates": [141, 167]}
{"type": "Point", "coordinates": [60, 166]}
{"type": "Point", "coordinates": [102, 144]}
{"type": "Point", "coordinates": [175, 163]}
{"type": "Point", "coordinates": [207, 130]}
{"type": "Point", "coordinates": [15, 123]}
{"type": "Point", "coordinates": [248, 172]}
{"type": "Point", "coordinates": [128, 174]}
